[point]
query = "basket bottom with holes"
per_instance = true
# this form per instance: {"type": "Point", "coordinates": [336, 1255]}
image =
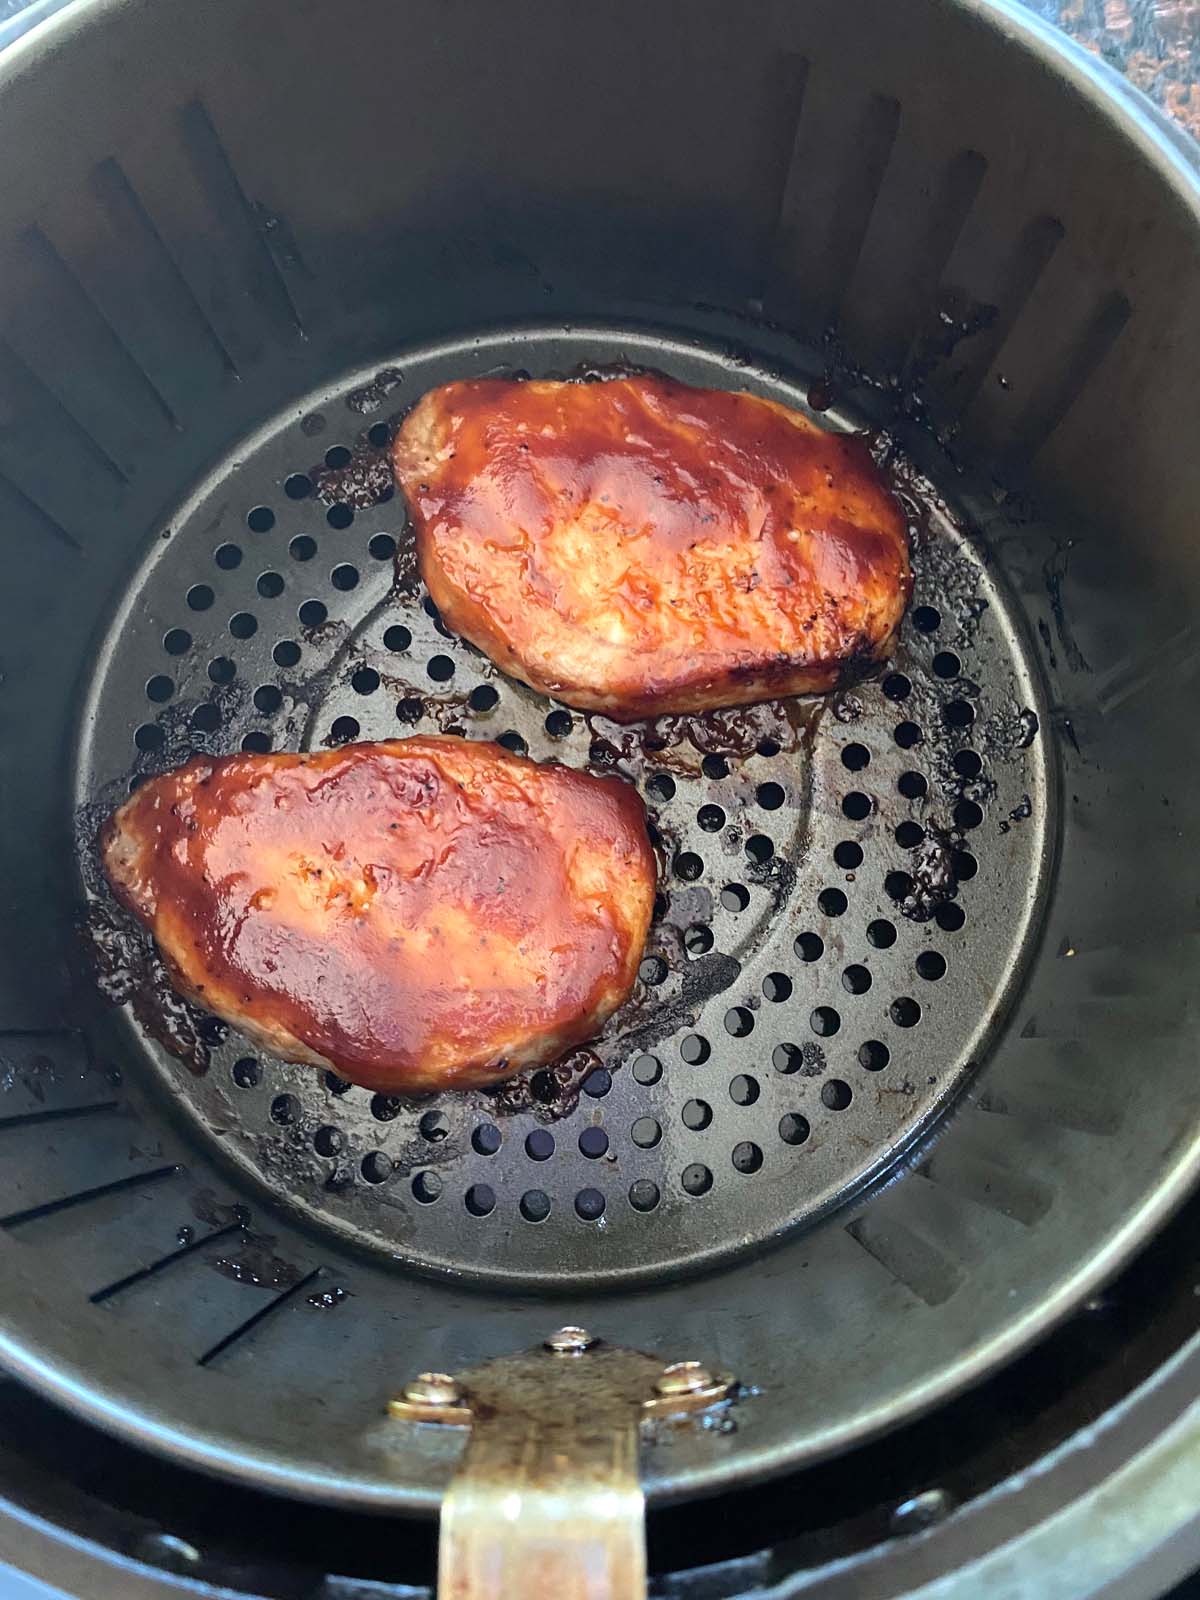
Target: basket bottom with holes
{"type": "Point", "coordinates": [836, 932]}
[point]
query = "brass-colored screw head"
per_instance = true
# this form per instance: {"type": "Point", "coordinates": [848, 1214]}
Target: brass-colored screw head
{"type": "Point", "coordinates": [570, 1341]}
{"type": "Point", "coordinates": [683, 1377]}
{"type": "Point", "coordinates": [433, 1389]}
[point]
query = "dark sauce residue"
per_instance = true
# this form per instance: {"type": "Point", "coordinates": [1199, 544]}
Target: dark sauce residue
{"type": "Point", "coordinates": [327, 1299]}
{"type": "Point", "coordinates": [252, 1260]}
{"type": "Point", "coordinates": [128, 970]}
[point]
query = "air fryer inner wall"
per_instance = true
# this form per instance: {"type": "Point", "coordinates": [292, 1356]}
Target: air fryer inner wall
{"type": "Point", "coordinates": [274, 212]}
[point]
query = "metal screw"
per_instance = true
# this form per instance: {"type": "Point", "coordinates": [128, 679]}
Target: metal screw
{"type": "Point", "coordinates": [570, 1341]}
{"type": "Point", "coordinates": [433, 1389]}
{"type": "Point", "coordinates": [683, 1377]}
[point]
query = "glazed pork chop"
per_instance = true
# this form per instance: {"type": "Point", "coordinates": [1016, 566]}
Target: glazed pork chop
{"type": "Point", "coordinates": [420, 914]}
{"type": "Point", "coordinates": [637, 546]}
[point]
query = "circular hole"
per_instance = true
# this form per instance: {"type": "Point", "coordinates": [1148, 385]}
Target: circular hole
{"type": "Point", "coordinates": [434, 1126]}
{"type": "Point", "coordinates": [698, 940]}
{"type": "Point", "coordinates": [511, 740]}
{"type": "Point", "coordinates": [535, 1205]}
{"type": "Point", "coordinates": [382, 546]}
{"type": "Point", "coordinates": [340, 516]}
{"type": "Point", "coordinates": [927, 619]}
{"type": "Point", "coordinates": [768, 747]}
{"type": "Point", "coordinates": [200, 597]}
{"type": "Point", "coordinates": [426, 1187]}
{"type": "Point", "coordinates": [267, 698]}
{"type": "Point", "coordinates": [365, 681]}
{"type": "Point", "coordinates": [228, 556]}
{"type": "Point", "coordinates": [848, 854]}
{"type": "Point", "coordinates": [907, 735]}
{"type": "Point", "coordinates": [881, 935]}
{"type": "Point", "coordinates": [344, 729]}
{"type": "Point", "coordinates": [379, 434]}
{"type": "Point", "coordinates": [950, 917]}
{"type": "Point", "coordinates": [739, 1022]}
{"type": "Point", "coordinates": [593, 1143]}
{"type": "Point", "coordinates": [647, 1069]}
{"type": "Point", "coordinates": [809, 947]}
{"type": "Point", "coordinates": [793, 1128]}
{"type": "Point", "coordinates": [285, 1109]}
{"type": "Point", "coordinates": [645, 1133]}
{"type": "Point", "coordinates": [222, 670]}
{"type": "Point", "coordinates": [959, 713]}
{"type": "Point", "coordinates": [159, 688]}
{"type": "Point", "coordinates": [909, 835]}
{"type": "Point", "coordinates": [744, 1090]}
{"type": "Point", "coordinates": [213, 1031]}
{"type": "Point", "coordinates": [967, 815]}
{"type": "Point", "coordinates": [176, 641]}
{"type": "Point", "coordinates": [832, 902]}
{"type": "Point", "coordinates": [312, 613]}
{"type": "Point", "coordinates": [243, 625]}
{"type": "Point", "coordinates": [912, 785]}
{"type": "Point", "coordinates": [759, 848]}
{"type": "Point", "coordinates": [777, 987]}
{"type": "Point", "coordinates": [873, 1055]}
{"type": "Point", "coordinates": [269, 585]}
{"type": "Point", "coordinates": [905, 1012]}
{"type": "Point", "coordinates": [486, 1139]}
{"type": "Point", "coordinates": [697, 1114]}
{"type": "Point", "coordinates": [735, 897]}
{"type": "Point", "coordinates": [206, 718]}
{"type": "Point", "coordinates": [260, 520]}
{"type": "Point", "coordinates": [385, 1107]}
{"type": "Point", "coordinates": [787, 1058]}
{"type": "Point", "coordinates": [715, 767]}
{"type": "Point", "coordinates": [770, 796]}
{"type": "Point", "coordinates": [256, 743]}
{"type": "Point", "coordinates": [337, 456]}
{"type": "Point", "coordinates": [931, 965]}
{"type": "Point", "coordinates": [946, 664]}
{"type": "Point", "coordinates": [855, 757]}
{"type": "Point", "coordinates": [653, 970]}
{"type": "Point", "coordinates": [539, 1144]}
{"type": "Point", "coordinates": [303, 548]}
{"type": "Point", "coordinates": [483, 698]}
{"type": "Point", "coordinates": [965, 866]}
{"type": "Point", "coordinates": [896, 686]}
{"type": "Point", "coordinates": [660, 786]}
{"type": "Point", "coordinates": [149, 736]}
{"type": "Point", "coordinates": [836, 1094]}
{"type": "Point", "coordinates": [246, 1073]}
{"type": "Point", "coordinates": [344, 576]}
{"type": "Point", "coordinates": [397, 638]}
{"type": "Point", "coordinates": [694, 1049]}
{"type": "Point", "coordinates": [824, 1021]}
{"type": "Point", "coordinates": [643, 1195]}
{"type": "Point", "coordinates": [696, 1179]}
{"type": "Point", "coordinates": [298, 486]}
{"type": "Point", "coordinates": [410, 709]}
{"type": "Point", "coordinates": [747, 1157]}
{"type": "Point", "coordinates": [856, 979]}
{"type": "Point", "coordinates": [898, 885]}
{"type": "Point", "coordinates": [337, 1085]}
{"type": "Point", "coordinates": [597, 1083]}
{"type": "Point", "coordinates": [688, 866]}
{"type": "Point", "coordinates": [711, 818]}
{"type": "Point", "coordinates": [559, 724]}
{"type": "Point", "coordinates": [286, 653]}
{"type": "Point", "coordinates": [480, 1199]}
{"type": "Point", "coordinates": [440, 669]}
{"type": "Point", "coordinates": [967, 764]}
{"type": "Point", "coordinates": [589, 1205]}
{"type": "Point", "coordinates": [856, 806]}
{"type": "Point", "coordinates": [328, 1141]}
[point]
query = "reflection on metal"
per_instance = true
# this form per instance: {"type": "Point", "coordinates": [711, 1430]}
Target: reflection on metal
{"type": "Point", "coordinates": [546, 1501]}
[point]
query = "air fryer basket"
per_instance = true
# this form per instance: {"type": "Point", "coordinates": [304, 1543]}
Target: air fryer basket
{"type": "Point", "coordinates": [245, 237]}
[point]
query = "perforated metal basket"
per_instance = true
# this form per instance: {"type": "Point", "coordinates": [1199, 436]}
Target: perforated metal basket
{"type": "Point", "coordinates": [941, 927]}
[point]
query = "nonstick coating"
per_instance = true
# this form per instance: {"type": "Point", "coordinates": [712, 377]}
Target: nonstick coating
{"type": "Point", "coordinates": [288, 204]}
